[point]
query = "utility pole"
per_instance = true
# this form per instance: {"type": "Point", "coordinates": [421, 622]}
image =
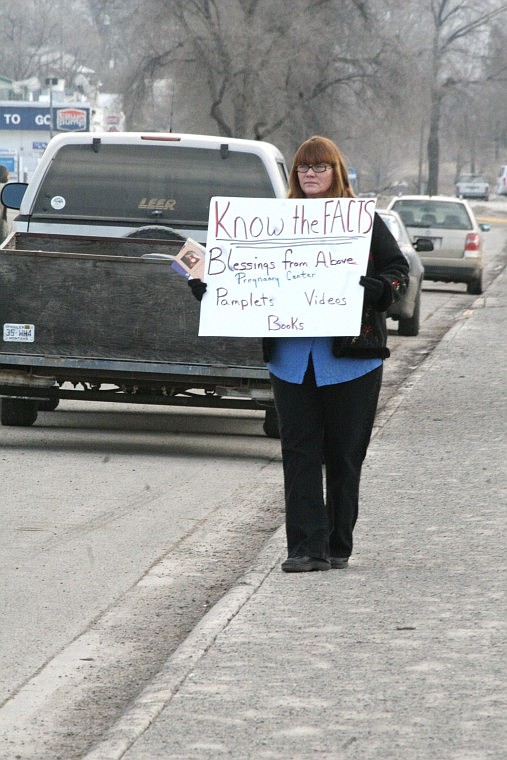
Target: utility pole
{"type": "Point", "coordinates": [51, 82]}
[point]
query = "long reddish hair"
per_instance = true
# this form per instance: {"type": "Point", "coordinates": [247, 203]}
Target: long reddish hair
{"type": "Point", "coordinates": [321, 150]}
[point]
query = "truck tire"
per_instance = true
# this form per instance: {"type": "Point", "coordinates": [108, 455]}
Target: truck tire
{"type": "Point", "coordinates": [157, 231]}
{"type": "Point", "coordinates": [410, 326]}
{"type": "Point", "coordinates": [474, 287]}
{"type": "Point", "coordinates": [18, 412]}
{"type": "Point", "coordinates": [270, 426]}
{"type": "Point", "coordinates": [48, 404]}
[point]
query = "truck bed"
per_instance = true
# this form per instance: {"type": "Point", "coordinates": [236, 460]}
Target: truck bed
{"type": "Point", "coordinates": [96, 303]}
{"type": "Point", "coordinates": [111, 325]}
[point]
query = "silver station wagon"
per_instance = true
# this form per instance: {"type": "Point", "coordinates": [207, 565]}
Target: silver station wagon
{"type": "Point", "coordinates": [455, 233]}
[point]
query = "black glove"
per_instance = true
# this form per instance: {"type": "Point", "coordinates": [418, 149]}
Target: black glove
{"type": "Point", "coordinates": [198, 287]}
{"type": "Point", "coordinates": [377, 292]}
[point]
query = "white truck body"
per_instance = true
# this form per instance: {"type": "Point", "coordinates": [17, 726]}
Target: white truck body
{"type": "Point", "coordinates": [89, 305]}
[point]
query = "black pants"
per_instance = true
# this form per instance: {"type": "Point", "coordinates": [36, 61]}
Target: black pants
{"type": "Point", "coordinates": [334, 423]}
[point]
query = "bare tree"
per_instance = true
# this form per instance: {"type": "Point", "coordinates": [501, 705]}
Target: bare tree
{"type": "Point", "coordinates": [44, 37]}
{"type": "Point", "coordinates": [368, 74]}
{"type": "Point", "coordinates": [263, 69]}
{"type": "Point", "coordinates": [457, 28]}
{"type": "Point", "coordinates": [24, 33]}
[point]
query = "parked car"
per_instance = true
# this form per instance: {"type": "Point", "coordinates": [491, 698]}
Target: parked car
{"type": "Point", "coordinates": [407, 311]}
{"type": "Point", "coordinates": [455, 233]}
{"type": "Point", "coordinates": [501, 182]}
{"type": "Point", "coordinates": [472, 186]}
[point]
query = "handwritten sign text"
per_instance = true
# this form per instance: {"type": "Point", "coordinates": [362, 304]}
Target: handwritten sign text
{"type": "Point", "coordinates": [285, 266]}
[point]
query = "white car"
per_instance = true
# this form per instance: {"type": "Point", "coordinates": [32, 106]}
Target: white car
{"type": "Point", "coordinates": [501, 182]}
{"type": "Point", "coordinates": [472, 186]}
{"type": "Point", "coordinates": [456, 236]}
{"type": "Point", "coordinates": [407, 310]}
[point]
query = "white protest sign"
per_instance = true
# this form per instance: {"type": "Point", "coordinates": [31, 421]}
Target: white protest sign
{"type": "Point", "coordinates": [285, 267]}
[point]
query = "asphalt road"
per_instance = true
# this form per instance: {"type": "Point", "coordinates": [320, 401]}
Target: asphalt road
{"type": "Point", "coordinates": [121, 526]}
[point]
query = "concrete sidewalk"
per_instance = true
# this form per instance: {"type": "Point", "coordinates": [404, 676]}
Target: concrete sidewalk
{"type": "Point", "coordinates": [403, 655]}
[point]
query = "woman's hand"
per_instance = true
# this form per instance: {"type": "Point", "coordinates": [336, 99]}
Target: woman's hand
{"type": "Point", "coordinates": [378, 292]}
{"type": "Point", "coordinates": [198, 287]}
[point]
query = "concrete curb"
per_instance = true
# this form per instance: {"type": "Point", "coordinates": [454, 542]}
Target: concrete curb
{"type": "Point", "coordinates": [157, 695]}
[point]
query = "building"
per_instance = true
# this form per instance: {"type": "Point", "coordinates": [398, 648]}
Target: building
{"type": "Point", "coordinates": [30, 114]}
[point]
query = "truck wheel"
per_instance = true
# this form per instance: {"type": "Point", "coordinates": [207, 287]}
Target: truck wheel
{"type": "Point", "coordinates": [410, 326]}
{"type": "Point", "coordinates": [18, 412]}
{"type": "Point", "coordinates": [270, 426]}
{"type": "Point", "coordinates": [474, 287]}
{"type": "Point", "coordinates": [48, 404]}
{"type": "Point", "coordinates": [157, 231]}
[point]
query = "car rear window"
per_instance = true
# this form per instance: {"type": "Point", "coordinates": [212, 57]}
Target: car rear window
{"type": "Point", "coordinates": [137, 183]}
{"type": "Point", "coordinates": [392, 224]}
{"type": "Point", "coordinates": [471, 178]}
{"type": "Point", "coordinates": [445, 214]}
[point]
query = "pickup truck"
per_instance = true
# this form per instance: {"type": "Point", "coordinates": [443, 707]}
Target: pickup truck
{"type": "Point", "coordinates": [90, 306]}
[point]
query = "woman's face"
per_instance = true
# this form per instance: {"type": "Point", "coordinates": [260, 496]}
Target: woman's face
{"type": "Point", "coordinates": [316, 184]}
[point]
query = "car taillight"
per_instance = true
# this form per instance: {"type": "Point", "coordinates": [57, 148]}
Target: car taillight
{"type": "Point", "coordinates": [472, 242]}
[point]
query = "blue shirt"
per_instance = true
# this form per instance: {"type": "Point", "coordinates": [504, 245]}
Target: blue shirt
{"type": "Point", "coordinates": [290, 358]}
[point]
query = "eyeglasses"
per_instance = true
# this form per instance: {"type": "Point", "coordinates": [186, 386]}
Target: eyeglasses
{"type": "Point", "coordinates": [317, 168]}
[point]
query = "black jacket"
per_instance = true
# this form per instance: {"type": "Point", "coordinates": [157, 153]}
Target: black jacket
{"type": "Point", "coordinates": [387, 262]}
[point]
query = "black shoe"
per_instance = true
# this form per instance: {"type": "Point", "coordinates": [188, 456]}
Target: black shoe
{"type": "Point", "coordinates": [304, 564]}
{"type": "Point", "coordinates": [339, 563]}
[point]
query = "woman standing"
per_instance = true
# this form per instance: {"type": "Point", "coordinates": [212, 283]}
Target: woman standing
{"type": "Point", "coordinates": [326, 389]}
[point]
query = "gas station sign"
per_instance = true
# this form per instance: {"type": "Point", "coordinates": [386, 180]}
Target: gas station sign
{"type": "Point", "coordinates": [14, 117]}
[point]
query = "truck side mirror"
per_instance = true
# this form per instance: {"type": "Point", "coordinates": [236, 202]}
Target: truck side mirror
{"type": "Point", "coordinates": [12, 194]}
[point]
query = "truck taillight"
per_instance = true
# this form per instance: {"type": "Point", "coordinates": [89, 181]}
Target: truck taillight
{"type": "Point", "coordinates": [472, 242]}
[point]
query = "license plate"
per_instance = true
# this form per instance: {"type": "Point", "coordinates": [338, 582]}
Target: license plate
{"type": "Point", "coordinates": [16, 333]}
